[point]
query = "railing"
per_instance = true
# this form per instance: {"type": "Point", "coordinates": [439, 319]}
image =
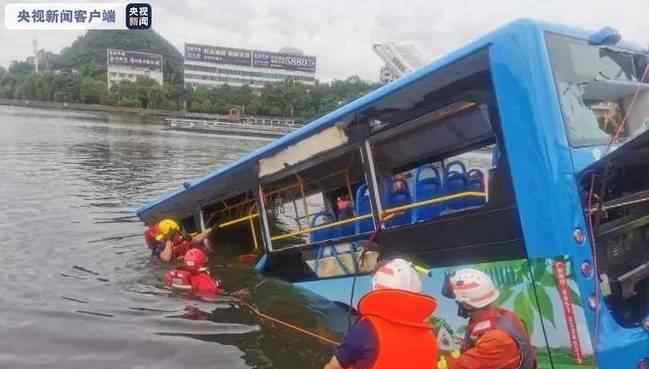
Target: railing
{"type": "Point", "coordinates": [386, 213]}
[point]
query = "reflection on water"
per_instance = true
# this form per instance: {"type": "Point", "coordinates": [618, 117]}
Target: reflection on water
{"type": "Point", "coordinates": [78, 289]}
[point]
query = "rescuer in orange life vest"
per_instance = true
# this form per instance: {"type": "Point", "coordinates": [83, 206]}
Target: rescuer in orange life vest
{"type": "Point", "coordinates": [391, 332]}
{"type": "Point", "coordinates": [167, 241]}
{"type": "Point", "coordinates": [495, 338]}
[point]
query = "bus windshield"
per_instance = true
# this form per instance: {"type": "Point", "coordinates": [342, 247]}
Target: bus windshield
{"type": "Point", "coordinates": [596, 87]}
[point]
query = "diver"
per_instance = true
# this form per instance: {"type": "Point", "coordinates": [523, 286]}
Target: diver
{"type": "Point", "coordinates": [193, 277]}
{"type": "Point", "coordinates": [392, 331]}
{"type": "Point", "coordinates": [495, 337]}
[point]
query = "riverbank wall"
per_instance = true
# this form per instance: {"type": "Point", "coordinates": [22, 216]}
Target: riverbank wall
{"type": "Point", "coordinates": [139, 115]}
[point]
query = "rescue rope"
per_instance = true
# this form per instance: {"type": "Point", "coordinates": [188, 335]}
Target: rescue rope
{"type": "Point", "coordinates": [287, 325]}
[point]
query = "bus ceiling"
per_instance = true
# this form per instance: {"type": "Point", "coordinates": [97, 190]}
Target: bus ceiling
{"type": "Point", "coordinates": [427, 96]}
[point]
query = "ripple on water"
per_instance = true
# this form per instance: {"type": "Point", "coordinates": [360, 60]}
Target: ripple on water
{"type": "Point", "coordinates": [78, 289]}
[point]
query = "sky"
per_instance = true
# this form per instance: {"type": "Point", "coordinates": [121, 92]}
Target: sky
{"type": "Point", "coordinates": [341, 32]}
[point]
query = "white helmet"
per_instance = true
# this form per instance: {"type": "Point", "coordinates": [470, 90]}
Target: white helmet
{"type": "Point", "coordinates": [397, 274]}
{"type": "Point", "coordinates": [473, 287]}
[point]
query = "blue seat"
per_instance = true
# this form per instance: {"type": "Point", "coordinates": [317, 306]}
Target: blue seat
{"type": "Point", "coordinates": [495, 156]}
{"type": "Point", "coordinates": [363, 206]}
{"type": "Point", "coordinates": [323, 234]}
{"type": "Point", "coordinates": [455, 182]}
{"type": "Point", "coordinates": [394, 199]}
{"type": "Point", "coordinates": [475, 179]}
{"type": "Point", "coordinates": [426, 188]}
{"type": "Point", "coordinates": [346, 229]}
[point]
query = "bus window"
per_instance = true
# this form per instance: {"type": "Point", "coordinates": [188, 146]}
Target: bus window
{"type": "Point", "coordinates": [326, 200]}
{"type": "Point", "coordinates": [236, 226]}
{"type": "Point", "coordinates": [596, 86]}
{"type": "Point", "coordinates": [417, 189]}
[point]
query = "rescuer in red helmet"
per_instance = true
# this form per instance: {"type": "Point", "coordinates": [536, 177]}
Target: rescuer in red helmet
{"type": "Point", "coordinates": [193, 276]}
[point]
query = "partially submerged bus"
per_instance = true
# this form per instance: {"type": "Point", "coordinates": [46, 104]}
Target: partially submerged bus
{"type": "Point", "coordinates": [523, 154]}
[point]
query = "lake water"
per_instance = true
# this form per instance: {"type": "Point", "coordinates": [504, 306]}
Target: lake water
{"type": "Point", "coordinates": [79, 290]}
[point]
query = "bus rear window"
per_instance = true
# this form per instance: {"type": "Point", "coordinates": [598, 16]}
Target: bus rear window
{"type": "Point", "coordinates": [596, 86]}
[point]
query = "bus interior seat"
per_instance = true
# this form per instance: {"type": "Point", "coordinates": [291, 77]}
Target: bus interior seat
{"type": "Point", "coordinates": [426, 188]}
{"type": "Point", "coordinates": [475, 179]}
{"type": "Point", "coordinates": [363, 207]}
{"type": "Point", "coordinates": [456, 182]}
{"type": "Point", "coordinates": [346, 229]}
{"type": "Point", "coordinates": [396, 198]}
{"type": "Point", "coordinates": [319, 219]}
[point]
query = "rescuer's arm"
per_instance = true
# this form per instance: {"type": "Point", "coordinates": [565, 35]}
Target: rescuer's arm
{"type": "Point", "coordinates": [333, 364]}
{"type": "Point", "coordinates": [167, 252]}
{"type": "Point", "coordinates": [201, 236]}
{"type": "Point", "coordinates": [495, 349]}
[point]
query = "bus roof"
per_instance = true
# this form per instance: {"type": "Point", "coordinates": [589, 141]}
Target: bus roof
{"type": "Point", "coordinates": [240, 176]}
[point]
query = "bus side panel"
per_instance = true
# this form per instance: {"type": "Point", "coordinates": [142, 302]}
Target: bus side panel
{"type": "Point", "coordinates": [536, 145]}
{"type": "Point", "coordinates": [561, 312]}
{"type": "Point", "coordinates": [537, 304]}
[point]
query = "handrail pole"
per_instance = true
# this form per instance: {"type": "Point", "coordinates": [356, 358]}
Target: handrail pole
{"type": "Point", "coordinates": [306, 206]}
{"type": "Point", "coordinates": [252, 228]}
{"type": "Point", "coordinates": [385, 213]}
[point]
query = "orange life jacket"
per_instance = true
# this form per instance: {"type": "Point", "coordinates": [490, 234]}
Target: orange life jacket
{"type": "Point", "coordinates": [508, 322]}
{"type": "Point", "coordinates": [404, 340]}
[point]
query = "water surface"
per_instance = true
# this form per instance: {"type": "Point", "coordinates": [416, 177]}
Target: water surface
{"type": "Point", "coordinates": [79, 290]}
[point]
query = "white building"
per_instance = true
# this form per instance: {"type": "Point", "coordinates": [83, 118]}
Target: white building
{"type": "Point", "coordinates": [215, 65]}
{"type": "Point", "coordinates": [400, 59]}
{"type": "Point", "coordinates": [129, 65]}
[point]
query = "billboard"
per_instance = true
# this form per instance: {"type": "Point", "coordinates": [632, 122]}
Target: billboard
{"type": "Point", "coordinates": [265, 59]}
{"type": "Point", "coordinates": [217, 54]}
{"type": "Point", "coordinates": [250, 58]}
{"type": "Point", "coordinates": [137, 59]}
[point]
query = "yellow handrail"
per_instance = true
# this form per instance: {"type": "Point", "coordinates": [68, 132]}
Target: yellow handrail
{"type": "Point", "coordinates": [235, 221]}
{"type": "Point", "coordinates": [324, 226]}
{"type": "Point", "coordinates": [433, 201]}
{"type": "Point", "coordinates": [253, 230]}
{"type": "Point", "coordinates": [386, 213]}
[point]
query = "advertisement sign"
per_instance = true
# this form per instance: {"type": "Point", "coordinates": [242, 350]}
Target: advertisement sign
{"type": "Point", "coordinates": [135, 59]}
{"type": "Point", "coordinates": [541, 292]}
{"type": "Point", "coordinates": [265, 59]}
{"type": "Point", "coordinates": [217, 55]}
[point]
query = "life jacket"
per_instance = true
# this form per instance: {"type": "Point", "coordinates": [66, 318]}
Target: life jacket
{"type": "Point", "coordinates": [397, 317]}
{"type": "Point", "coordinates": [201, 284]}
{"type": "Point", "coordinates": [178, 279]}
{"type": "Point", "coordinates": [505, 321]}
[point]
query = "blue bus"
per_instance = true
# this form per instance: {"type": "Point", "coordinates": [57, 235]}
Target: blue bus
{"type": "Point", "coordinates": [523, 154]}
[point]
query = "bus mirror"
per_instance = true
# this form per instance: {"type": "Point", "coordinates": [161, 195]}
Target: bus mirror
{"type": "Point", "coordinates": [605, 36]}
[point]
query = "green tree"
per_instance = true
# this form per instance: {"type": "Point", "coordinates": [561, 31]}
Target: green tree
{"type": "Point", "coordinates": [92, 91]}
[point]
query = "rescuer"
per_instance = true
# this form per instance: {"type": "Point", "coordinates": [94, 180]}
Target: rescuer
{"type": "Point", "coordinates": [391, 331]}
{"type": "Point", "coordinates": [495, 337]}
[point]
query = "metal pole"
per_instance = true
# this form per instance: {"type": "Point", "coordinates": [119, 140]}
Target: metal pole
{"type": "Point", "coordinates": [268, 244]}
{"type": "Point", "coordinates": [370, 171]}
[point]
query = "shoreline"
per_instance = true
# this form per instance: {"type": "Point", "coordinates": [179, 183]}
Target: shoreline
{"type": "Point", "coordinates": [151, 116]}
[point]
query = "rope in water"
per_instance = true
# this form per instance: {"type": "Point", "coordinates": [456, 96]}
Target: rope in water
{"type": "Point", "coordinates": [286, 324]}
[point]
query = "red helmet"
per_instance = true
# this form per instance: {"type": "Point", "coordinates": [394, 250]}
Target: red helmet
{"type": "Point", "coordinates": [195, 259]}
